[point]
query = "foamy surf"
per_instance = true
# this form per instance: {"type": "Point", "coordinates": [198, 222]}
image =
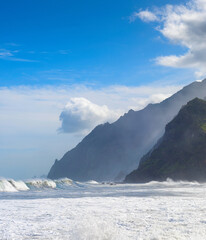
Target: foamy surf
{"type": "Point", "coordinates": [41, 184]}
{"type": "Point", "coordinates": [19, 185]}
{"type": "Point", "coordinates": [6, 186]}
{"type": "Point", "coordinates": [91, 211]}
{"type": "Point", "coordinates": [10, 185]}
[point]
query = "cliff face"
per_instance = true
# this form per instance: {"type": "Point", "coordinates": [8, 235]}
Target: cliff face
{"type": "Point", "coordinates": [181, 152]}
{"type": "Point", "coordinates": [111, 151]}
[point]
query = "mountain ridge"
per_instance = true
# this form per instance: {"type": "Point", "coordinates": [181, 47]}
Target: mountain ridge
{"type": "Point", "coordinates": [114, 150]}
{"type": "Point", "coordinates": [180, 154]}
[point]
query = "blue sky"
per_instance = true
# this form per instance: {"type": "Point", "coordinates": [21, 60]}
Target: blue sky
{"type": "Point", "coordinates": [67, 66]}
{"type": "Point", "coordinates": [91, 42]}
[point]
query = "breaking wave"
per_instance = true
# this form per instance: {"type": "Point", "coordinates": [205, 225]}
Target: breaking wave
{"type": "Point", "coordinates": [18, 185]}
{"type": "Point", "coordinates": [6, 186]}
{"type": "Point", "coordinates": [10, 185]}
{"type": "Point", "coordinates": [40, 183]}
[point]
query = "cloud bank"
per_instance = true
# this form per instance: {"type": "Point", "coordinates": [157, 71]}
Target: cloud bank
{"type": "Point", "coordinates": [33, 110]}
{"type": "Point", "coordinates": [81, 114]}
{"type": "Point", "coordinates": [184, 25]}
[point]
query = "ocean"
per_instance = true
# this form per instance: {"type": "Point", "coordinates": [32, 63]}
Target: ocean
{"type": "Point", "coordinates": [65, 209]}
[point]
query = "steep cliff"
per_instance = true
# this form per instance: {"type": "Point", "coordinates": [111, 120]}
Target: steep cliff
{"type": "Point", "coordinates": [111, 151]}
{"type": "Point", "coordinates": [181, 152]}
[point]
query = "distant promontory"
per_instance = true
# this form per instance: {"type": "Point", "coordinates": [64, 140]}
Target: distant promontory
{"type": "Point", "coordinates": [111, 151]}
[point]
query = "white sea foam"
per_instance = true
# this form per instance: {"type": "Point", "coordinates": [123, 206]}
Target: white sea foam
{"type": "Point", "coordinates": [92, 182]}
{"type": "Point", "coordinates": [18, 185]}
{"type": "Point", "coordinates": [64, 181]}
{"type": "Point", "coordinates": [10, 185]}
{"type": "Point", "coordinates": [86, 211]}
{"type": "Point", "coordinates": [40, 183]}
{"type": "Point", "coordinates": [6, 186]}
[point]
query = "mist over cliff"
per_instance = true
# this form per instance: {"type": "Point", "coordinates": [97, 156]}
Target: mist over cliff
{"type": "Point", "coordinates": [111, 151]}
{"type": "Point", "coordinates": [180, 153]}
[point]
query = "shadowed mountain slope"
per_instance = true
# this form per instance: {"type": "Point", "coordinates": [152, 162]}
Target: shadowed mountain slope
{"type": "Point", "coordinates": [181, 152]}
{"type": "Point", "coordinates": [111, 151]}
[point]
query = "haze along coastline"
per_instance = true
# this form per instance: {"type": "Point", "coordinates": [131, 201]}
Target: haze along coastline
{"type": "Point", "coordinates": [181, 153]}
{"type": "Point", "coordinates": [111, 151]}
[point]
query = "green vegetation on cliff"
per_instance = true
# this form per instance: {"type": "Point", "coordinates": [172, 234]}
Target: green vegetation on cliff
{"type": "Point", "coordinates": [181, 152]}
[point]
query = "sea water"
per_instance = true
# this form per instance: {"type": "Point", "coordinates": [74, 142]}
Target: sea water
{"type": "Point", "coordinates": [65, 209]}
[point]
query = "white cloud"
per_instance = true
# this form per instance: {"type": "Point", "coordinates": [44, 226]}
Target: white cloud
{"type": "Point", "coordinates": [30, 109]}
{"type": "Point", "coordinates": [184, 25]}
{"type": "Point", "coordinates": [145, 16]}
{"type": "Point", "coordinates": [81, 114]}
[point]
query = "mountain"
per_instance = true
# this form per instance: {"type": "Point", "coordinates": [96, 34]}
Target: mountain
{"type": "Point", "coordinates": [181, 152]}
{"type": "Point", "coordinates": [111, 151]}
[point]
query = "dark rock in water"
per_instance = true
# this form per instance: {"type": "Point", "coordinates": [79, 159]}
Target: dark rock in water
{"type": "Point", "coordinates": [112, 149]}
{"type": "Point", "coordinates": [181, 152]}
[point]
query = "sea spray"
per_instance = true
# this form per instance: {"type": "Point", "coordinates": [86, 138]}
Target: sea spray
{"type": "Point", "coordinates": [18, 185]}
{"type": "Point", "coordinates": [40, 183]}
{"type": "Point", "coordinates": [6, 186]}
{"type": "Point", "coordinates": [10, 185]}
